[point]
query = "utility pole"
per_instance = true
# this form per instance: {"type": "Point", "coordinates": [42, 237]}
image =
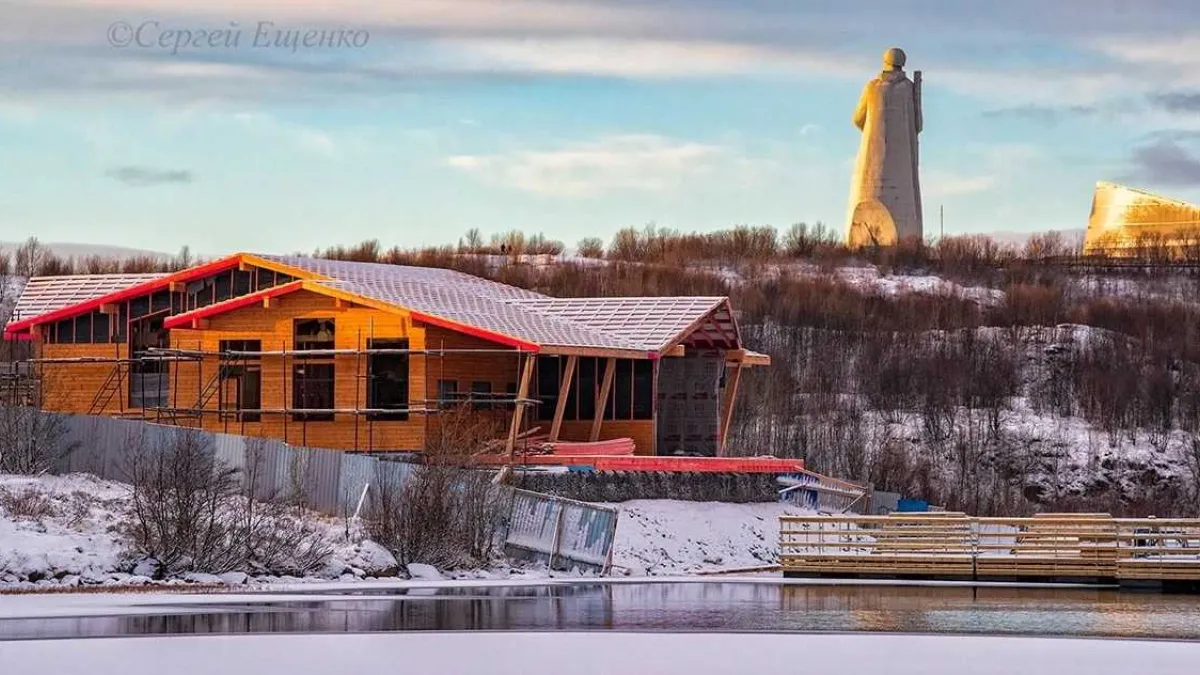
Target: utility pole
{"type": "Point", "coordinates": [942, 220]}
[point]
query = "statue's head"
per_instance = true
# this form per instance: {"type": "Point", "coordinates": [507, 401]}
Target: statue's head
{"type": "Point", "coordinates": [894, 58]}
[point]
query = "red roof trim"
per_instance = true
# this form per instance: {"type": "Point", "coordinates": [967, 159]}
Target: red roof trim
{"type": "Point", "coordinates": [182, 320]}
{"type": "Point", "coordinates": [475, 331]}
{"type": "Point", "coordinates": [134, 291]}
{"type": "Point", "coordinates": [185, 319]}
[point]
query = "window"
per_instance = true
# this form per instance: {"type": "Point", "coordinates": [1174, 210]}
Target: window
{"type": "Point", "coordinates": [263, 279]}
{"type": "Point", "coordinates": [387, 381]}
{"type": "Point", "coordinates": [223, 287]}
{"type": "Point", "coordinates": [481, 394]}
{"type": "Point", "coordinates": [312, 389]}
{"type": "Point", "coordinates": [200, 293]}
{"type": "Point", "coordinates": [447, 393]}
{"type": "Point", "coordinates": [122, 322]}
{"type": "Point", "coordinates": [64, 332]}
{"type": "Point", "coordinates": [631, 396]}
{"type": "Point", "coordinates": [149, 380]}
{"type": "Point", "coordinates": [160, 301]}
{"type": "Point", "coordinates": [100, 327]}
{"type": "Point", "coordinates": [586, 389]}
{"type": "Point", "coordinates": [242, 282]}
{"type": "Point", "coordinates": [83, 328]}
{"type": "Point", "coordinates": [139, 306]}
{"type": "Point", "coordinates": [313, 334]}
{"type": "Point", "coordinates": [620, 405]}
{"type": "Point", "coordinates": [549, 371]}
{"type": "Point", "coordinates": [643, 390]}
{"type": "Point", "coordinates": [241, 374]}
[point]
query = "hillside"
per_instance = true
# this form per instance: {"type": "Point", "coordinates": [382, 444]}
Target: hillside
{"type": "Point", "coordinates": [974, 374]}
{"type": "Point", "coordinates": [979, 376]}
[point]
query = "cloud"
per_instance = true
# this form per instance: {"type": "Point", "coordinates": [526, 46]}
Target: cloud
{"type": "Point", "coordinates": [1178, 102]}
{"type": "Point", "coordinates": [620, 163]}
{"type": "Point", "coordinates": [1043, 114]}
{"type": "Point", "coordinates": [1167, 163]}
{"type": "Point", "coordinates": [937, 185]}
{"type": "Point", "coordinates": [141, 176]}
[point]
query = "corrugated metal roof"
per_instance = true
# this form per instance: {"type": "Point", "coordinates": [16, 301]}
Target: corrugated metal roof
{"type": "Point", "coordinates": [43, 295]}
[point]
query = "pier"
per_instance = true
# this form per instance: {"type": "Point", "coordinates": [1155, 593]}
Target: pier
{"type": "Point", "coordinates": [1049, 548]}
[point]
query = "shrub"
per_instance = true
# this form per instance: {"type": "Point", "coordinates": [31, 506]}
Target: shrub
{"type": "Point", "coordinates": [190, 512]}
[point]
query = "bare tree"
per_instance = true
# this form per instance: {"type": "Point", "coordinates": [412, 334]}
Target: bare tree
{"type": "Point", "coordinates": [30, 258]}
{"type": "Point", "coordinates": [441, 514]}
{"type": "Point", "coordinates": [31, 442]}
{"type": "Point", "coordinates": [190, 513]}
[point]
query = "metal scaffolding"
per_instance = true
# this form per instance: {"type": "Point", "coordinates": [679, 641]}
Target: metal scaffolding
{"type": "Point", "coordinates": [170, 410]}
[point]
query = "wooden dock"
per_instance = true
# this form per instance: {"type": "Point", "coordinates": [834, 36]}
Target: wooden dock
{"type": "Point", "coordinates": [1066, 548]}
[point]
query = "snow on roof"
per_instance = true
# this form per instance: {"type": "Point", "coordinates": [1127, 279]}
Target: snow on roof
{"type": "Point", "coordinates": [43, 295]}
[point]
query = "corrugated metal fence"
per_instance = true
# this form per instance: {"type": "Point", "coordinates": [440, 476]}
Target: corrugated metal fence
{"type": "Point", "coordinates": [812, 490]}
{"type": "Point", "coordinates": [560, 532]}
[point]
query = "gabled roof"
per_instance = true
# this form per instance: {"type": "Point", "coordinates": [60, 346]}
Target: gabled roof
{"type": "Point", "coordinates": [136, 290]}
{"type": "Point", "coordinates": [638, 327]}
{"type": "Point", "coordinates": [652, 323]}
{"type": "Point", "coordinates": [43, 295]}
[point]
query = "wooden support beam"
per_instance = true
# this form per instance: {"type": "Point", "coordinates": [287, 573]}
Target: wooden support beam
{"type": "Point", "coordinates": [270, 303]}
{"type": "Point", "coordinates": [244, 266]}
{"type": "Point", "coordinates": [519, 407]}
{"type": "Point", "coordinates": [747, 358]}
{"type": "Point", "coordinates": [339, 303]}
{"type": "Point", "coordinates": [610, 369]}
{"type": "Point", "coordinates": [199, 324]}
{"type": "Point", "coordinates": [563, 392]}
{"type": "Point", "coordinates": [731, 387]}
{"type": "Point", "coordinates": [108, 308]}
{"type": "Point", "coordinates": [677, 350]}
{"type": "Point", "coordinates": [177, 287]}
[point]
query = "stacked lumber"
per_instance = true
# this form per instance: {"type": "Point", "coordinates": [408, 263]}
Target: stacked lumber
{"type": "Point", "coordinates": [530, 443]}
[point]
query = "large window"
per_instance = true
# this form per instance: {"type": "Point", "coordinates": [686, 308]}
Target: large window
{"type": "Point", "coordinates": [313, 334]}
{"type": "Point", "coordinates": [241, 379]}
{"type": "Point", "coordinates": [149, 379]}
{"type": "Point", "coordinates": [631, 396]}
{"type": "Point", "coordinates": [312, 386]}
{"type": "Point", "coordinates": [93, 328]}
{"type": "Point", "coordinates": [312, 389]}
{"type": "Point", "coordinates": [387, 380]}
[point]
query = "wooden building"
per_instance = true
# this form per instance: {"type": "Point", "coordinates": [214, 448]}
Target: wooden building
{"type": "Point", "coordinates": [364, 356]}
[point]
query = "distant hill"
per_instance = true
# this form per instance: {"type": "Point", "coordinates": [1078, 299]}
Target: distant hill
{"type": "Point", "coordinates": [73, 250]}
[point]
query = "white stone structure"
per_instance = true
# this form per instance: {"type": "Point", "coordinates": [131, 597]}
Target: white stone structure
{"type": "Point", "coordinates": [885, 191]}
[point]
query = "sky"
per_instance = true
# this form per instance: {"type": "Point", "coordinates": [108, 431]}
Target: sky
{"type": "Point", "coordinates": [285, 125]}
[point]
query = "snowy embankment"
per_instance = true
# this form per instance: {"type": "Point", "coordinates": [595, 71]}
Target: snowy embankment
{"type": "Point", "coordinates": [666, 537]}
{"type": "Point", "coordinates": [66, 531]}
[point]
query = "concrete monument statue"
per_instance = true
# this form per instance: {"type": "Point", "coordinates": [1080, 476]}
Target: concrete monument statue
{"type": "Point", "coordinates": [885, 192]}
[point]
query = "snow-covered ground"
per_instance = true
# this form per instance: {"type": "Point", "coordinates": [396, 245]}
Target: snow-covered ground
{"type": "Point", "coordinates": [58, 531]}
{"type": "Point", "coordinates": [666, 537]}
{"type": "Point", "coordinates": [596, 653]}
